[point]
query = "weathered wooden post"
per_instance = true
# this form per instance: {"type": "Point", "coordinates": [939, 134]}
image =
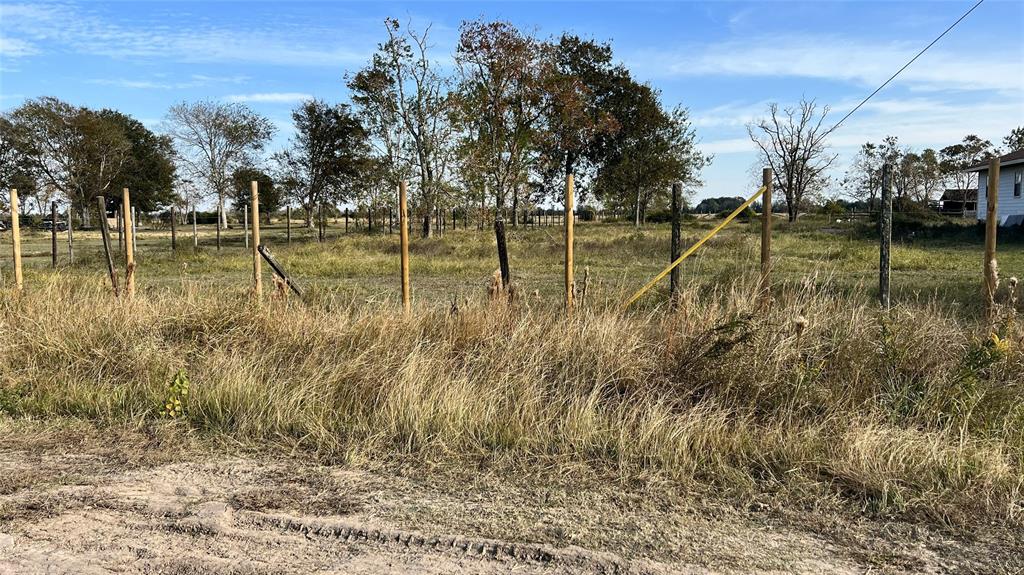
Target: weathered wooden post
{"type": "Point", "coordinates": [135, 228]}
{"type": "Point", "coordinates": [674, 283]}
{"type": "Point", "coordinates": [19, 280]}
{"type": "Point", "coordinates": [288, 225]}
{"type": "Point", "coordinates": [71, 237]}
{"type": "Point", "coordinates": [569, 281]}
{"type": "Point", "coordinates": [403, 221]}
{"type": "Point", "coordinates": [129, 243]}
{"type": "Point", "coordinates": [766, 233]}
{"type": "Point", "coordinates": [53, 234]}
{"type": "Point", "coordinates": [885, 238]}
{"type": "Point", "coordinates": [499, 235]}
{"type": "Point", "coordinates": [119, 220]}
{"type": "Point", "coordinates": [991, 227]}
{"type": "Point", "coordinates": [174, 231]}
{"type": "Point", "coordinates": [245, 225]}
{"type": "Point", "coordinates": [257, 277]}
{"type": "Point", "coordinates": [105, 234]}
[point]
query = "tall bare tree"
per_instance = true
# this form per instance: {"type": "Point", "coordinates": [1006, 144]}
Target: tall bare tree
{"type": "Point", "coordinates": [405, 92]}
{"type": "Point", "coordinates": [213, 139]}
{"type": "Point", "coordinates": [792, 143]}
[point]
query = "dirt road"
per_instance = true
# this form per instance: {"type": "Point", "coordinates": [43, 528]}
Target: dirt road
{"type": "Point", "coordinates": [97, 509]}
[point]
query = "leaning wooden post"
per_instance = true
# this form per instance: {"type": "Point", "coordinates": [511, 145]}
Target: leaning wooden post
{"type": "Point", "coordinates": [174, 231]}
{"type": "Point", "coordinates": [129, 244]}
{"type": "Point", "coordinates": [105, 234]}
{"type": "Point", "coordinates": [766, 233]}
{"type": "Point", "coordinates": [569, 282]}
{"type": "Point", "coordinates": [53, 234]}
{"type": "Point", "coordinates": [403, 220]}
{"type": "Point", "coordinates": [19, 280]}
{"type": "Point", "coordinates": [674, 284]}
{"type": "Point", "coordinates": [257, 276]}
{"type": "Point", "coordinates": [991, 225]}
{"type": "Point", "coordinates": [499, 235]}
{"type": "Point", "coordinates": [288, 225]}
{"type": "Point", "coordinates": [885, 238]}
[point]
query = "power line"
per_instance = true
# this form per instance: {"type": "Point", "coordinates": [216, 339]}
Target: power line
{"type": "Point", "coordinates": [905, 66]}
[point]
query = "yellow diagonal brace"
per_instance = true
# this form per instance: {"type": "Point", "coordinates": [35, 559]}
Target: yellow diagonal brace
{"type": "Point", "coordinates": [693, 248]}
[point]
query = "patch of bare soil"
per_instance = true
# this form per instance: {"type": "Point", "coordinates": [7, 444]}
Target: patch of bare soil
{"type": "Point", "coordinates": [105, 510]}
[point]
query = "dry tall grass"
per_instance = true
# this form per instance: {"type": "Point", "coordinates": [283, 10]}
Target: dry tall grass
{"type": "Point", "coordinates": [914, 411]}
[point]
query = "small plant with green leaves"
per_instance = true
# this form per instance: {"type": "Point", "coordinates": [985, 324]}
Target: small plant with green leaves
{"type": "Point", "coordinates": [177, 397]}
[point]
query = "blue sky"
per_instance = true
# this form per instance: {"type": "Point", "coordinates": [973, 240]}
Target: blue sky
{"type": "Point", "coordinates": [724, 60]}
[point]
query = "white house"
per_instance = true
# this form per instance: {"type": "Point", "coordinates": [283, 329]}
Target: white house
{"type": "Point", "coordinates": [1010, 208]}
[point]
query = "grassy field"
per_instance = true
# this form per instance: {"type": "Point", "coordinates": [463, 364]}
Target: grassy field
{"type": "Point", "coordinates": [820, 397]}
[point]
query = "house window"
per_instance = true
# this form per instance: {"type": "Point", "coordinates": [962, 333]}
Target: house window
{"type": "Point", "coordinates": [1016, 183]}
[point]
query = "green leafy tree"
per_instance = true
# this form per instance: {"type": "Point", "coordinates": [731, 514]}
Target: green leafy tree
{"type": "Point", "coordinates": [499, 101]}
{"type": "Point", "coordinates": [149, 170]}
{"type": "Point", "coordinates": [324, 155]}
{"type": "Point", "coordinates": [73, 149]}
{"type": "Point", "coordinates": [1014, 141]}
{"type": "Point", "coordinates": [241, 191]}
{"type": "Point", "coordinates": [954, 160]}
{"type": "Point", "coordinates": [651, 149]}
{"type": "Point", "coordinates": [579, 77]}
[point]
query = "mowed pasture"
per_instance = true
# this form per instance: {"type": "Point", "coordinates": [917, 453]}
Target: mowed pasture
{"type": "Point", "coordinates": [941, 265]}
{"type": "Point", "coordinates": [819, 397]}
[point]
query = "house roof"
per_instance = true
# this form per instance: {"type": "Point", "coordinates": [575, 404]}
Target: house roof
{"type": "Point", "coordinates": [1007, 160]}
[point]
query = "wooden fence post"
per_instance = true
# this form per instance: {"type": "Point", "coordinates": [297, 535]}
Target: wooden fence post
{"type": "Point", "coordinates": [766, 233]}
{"type": "Point", "coordinates": [19, 280]}
{"type": "Point", "coordinates": [119, 220]}
{"type": "Point", "coordinates": [71, 237]}
{"type": "Point", "coordinates": [53, 234]}
{"type": "Point", "coordinates": [569, 281]}
{"type": "Point", "coordinates": [991, 227]}
{"type": "Point", "coordinates": [499, 235]}
{"type": "Point", "coordinates": [288, 225]}
{"type": "Point", "coordinates": [257, 276]}
{"type": "Point", "coordinates": [174, 231]}
{"type": "Point", "coordinates": [105, 234]}
{"type": "Point", "coordinates": [403, 220]}
{"type": "Point", "coordinates": [674, 283]}
{"type": "Point", "coordinates": [129, 243]}
{"type": "Point", "coordinates": [885, 238]}
{"type": "Point", "coordinates": [220, 210]}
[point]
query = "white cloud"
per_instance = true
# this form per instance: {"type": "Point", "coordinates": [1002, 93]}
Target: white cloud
{"type": "Point", "coordinates": [278, 43]}
{"type": "Point", "coordinates": [16, 47]}
{"type": "Point", "coordinates": [195, 81]}
{"type": "Point", "coordinates": [270, 97]}
{"type": "Point", "coordinates": [857, 61]}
